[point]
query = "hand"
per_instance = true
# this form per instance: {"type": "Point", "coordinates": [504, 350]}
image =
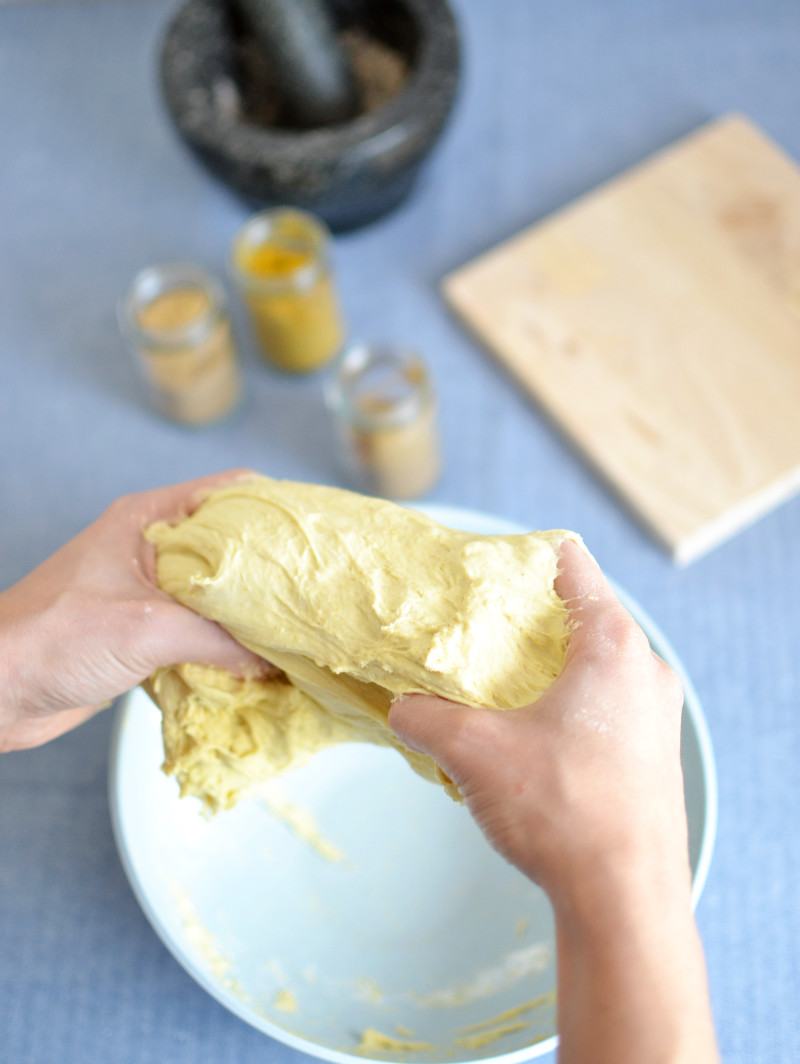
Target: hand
{"type": "Point", "coordinates": [90, 622]}
{"type": "Point", "coordinates": [589, 771]}
{"type": "Point", "coordinates": [583, 792]}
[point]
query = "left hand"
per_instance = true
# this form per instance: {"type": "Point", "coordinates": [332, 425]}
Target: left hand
{"type": "Point", "coordinates": [90, 622]}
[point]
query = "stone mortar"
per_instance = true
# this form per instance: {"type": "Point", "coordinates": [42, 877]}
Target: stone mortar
{"type": "Point", "coordinates": [349, 174]}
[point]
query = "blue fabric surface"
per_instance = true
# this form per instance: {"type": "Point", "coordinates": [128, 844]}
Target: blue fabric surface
{"type": "Point", "coordinates": [93, 186]}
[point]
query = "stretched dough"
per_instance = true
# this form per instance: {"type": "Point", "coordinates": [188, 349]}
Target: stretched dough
{"type": "Point", "coordinates": [357, 601]}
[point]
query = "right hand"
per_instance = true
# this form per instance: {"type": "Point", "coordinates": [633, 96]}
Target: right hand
{"type": "Point", "coordinates": [591, 771]}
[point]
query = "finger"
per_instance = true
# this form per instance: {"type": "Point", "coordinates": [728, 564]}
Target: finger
{"type": "Point", "coordinates": [580, 580]}
{"type": "Point", "coordinates": [178, 500]}
{"type": "Point", "coordinates": [462, 740]}
{"type": "Point", "coordinates": [169, 504]}
{"type": "Point", "coordinates": [186, 636]}
{"type": "Point", "coordinates": [427, 724]}
{"type": "Point", "coordinates": [598, 619]}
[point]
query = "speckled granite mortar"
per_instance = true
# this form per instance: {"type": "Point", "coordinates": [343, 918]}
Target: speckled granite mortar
{"type": "Point", "coordinates": [349, 174]}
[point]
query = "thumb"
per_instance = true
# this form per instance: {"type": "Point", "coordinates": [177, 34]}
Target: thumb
{"type": "Point", "coordinates": [455, 736]}
{"type": "Point", "coordinates": [183, 635]}
{"type": "Point", "coordinates": [425, 723]}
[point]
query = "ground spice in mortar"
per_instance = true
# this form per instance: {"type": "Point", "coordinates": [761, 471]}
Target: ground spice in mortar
{"type": "Point", "coordinates": [380, 72]}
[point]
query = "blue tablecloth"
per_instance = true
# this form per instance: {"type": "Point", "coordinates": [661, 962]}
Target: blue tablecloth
{"type": "Point", "coordinates": [94, 185]}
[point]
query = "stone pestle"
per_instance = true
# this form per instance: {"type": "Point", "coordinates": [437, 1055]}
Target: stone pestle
{"type": "Point", "coordinates": [298, 40]}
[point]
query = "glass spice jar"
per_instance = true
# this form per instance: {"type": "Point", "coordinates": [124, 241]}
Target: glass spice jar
{"type": "Point", "coordinates": [280, 263]}
{"type": "Point", "coordinates": [175, 321]}
{"type": "Point", "coordinates": [385, 412]}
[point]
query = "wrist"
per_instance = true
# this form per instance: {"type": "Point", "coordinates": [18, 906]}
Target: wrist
{"type": "Point", "coordinates": [10, 656]}
{"type": "Point", "coordinates": [630, 964]}
{"type": "Point", "coordinates": [29, 657]}
{"type": "Point", "coordinates": [633, 889]}
{"type": "Point", "coordinates": [648, 863]}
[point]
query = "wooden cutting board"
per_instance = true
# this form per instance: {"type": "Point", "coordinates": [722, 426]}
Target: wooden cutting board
{"type": "Point", "coordinates": [657, 320]}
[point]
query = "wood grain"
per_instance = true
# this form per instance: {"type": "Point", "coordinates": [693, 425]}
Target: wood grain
{"type": "Point", "coordinates": [657, 320]}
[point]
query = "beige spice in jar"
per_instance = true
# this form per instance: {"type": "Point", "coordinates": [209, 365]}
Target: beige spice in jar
{"type": "Point", "coordinates": [187, 351]}
{"type": "Point", "coordinates": [398, 461]}
{"type": "Point", "coordinates": [387, 421]}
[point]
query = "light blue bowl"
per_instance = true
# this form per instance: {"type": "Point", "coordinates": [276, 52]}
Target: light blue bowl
{"type": "Point", "coordinates": [381, 908]}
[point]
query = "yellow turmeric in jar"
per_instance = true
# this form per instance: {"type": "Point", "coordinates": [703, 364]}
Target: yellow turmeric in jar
{"type": "Point", "coordinates": [280, 261]}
